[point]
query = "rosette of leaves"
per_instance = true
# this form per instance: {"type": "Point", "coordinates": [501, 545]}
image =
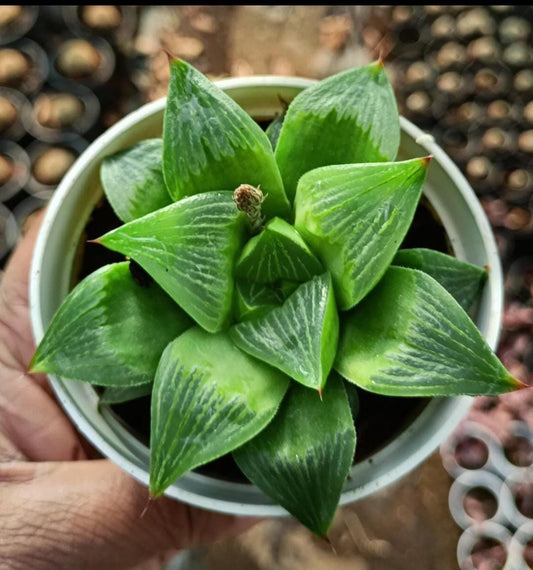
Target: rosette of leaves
{"type": "Point", "coordinates": [277, 284]}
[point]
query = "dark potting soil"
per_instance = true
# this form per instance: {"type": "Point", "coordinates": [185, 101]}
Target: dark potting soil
{"type": "Point", "coordinates": [381, 418]}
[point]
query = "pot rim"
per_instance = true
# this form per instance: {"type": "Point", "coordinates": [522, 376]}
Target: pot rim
{"type": "Point", "coordinates": [451, 410]}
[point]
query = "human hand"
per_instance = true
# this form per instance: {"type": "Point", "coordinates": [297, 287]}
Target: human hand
{"type": "Point", "coordinates": [58, 509]}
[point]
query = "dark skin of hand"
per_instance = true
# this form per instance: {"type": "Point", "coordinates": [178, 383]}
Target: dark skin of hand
{"type": "Point", "coordinates": [59, 508]}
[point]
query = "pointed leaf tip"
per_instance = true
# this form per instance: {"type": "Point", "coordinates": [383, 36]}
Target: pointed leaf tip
{"type": "Point", "coordinates": [33, 366]}
{"type": "Point", "coordinates": [33, 369]}
{"type": "Point", "coordinates": [171, 58]}
{"type": "Point", "coordinates": [426, 159]}
{"type": "Point", "coordinates": [97, 240]}
{"type": "Point", "coordinates": [518, 384]}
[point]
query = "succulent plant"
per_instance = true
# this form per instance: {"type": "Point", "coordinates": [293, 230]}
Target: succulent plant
{"type": "Point", "coordinates": [275, 284]}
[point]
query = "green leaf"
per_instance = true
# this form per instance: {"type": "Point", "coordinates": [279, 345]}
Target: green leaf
{"type": "Point", "coordinates": [278, 252]}
{"type": "Point", "coordinates": [303, 457]}
{"type": "Point", "coordinates": [210, 143]}
{"type": "Point", "coordinates": [274, 129]}
{"type": "Point", "coordinates": [209, 397]}
{"type": "Point", "coordinates": [353, 398]}
{"type": "Point", "coordinates": [253, 299]}
{"type": "Point", "coordinates": [410, 337]}
{"type": "Point", "coordinates": [300, 337]}
{"type": "Point", "coordinates": [256, 299]}
{"type": "Point", "coordinates": [463, 280]}
{"type": "Point", "coordinates": [189, 248]}
{"type": "Point", "coordinates": [284, 289]}
{"type": "Point", "coordinates": [121, 394]}
{"type": "Point", "coordinates": [350, 117]}
{"type": "Point", "coordinates": [355, 217]}
{"type": "Point", "coordinates": [133, 180]}
{"type": "Point", "coordinates": [110, 331]}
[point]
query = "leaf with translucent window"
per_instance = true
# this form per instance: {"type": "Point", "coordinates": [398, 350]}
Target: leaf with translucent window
{"type": "Point", "coordinates": [300, 337]}
{"type": "Point", "coordinates": [347, 118]}
{"type": "Point", "coordinates": [209, 397]}
{"type": "Point", "coordinates": [303, 457]}
{"type": "Point", "coordinates": [189, 248]}
{"type": "Point", "coordinates": [110, 331]}
{"type": "Point", "coordinates": [210, 143]}
{"type": "Point", "coordinates": [410, 337]}
{"type": "Point", "coordinates": [355, 216]}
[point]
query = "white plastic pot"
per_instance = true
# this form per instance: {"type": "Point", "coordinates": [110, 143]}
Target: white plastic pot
{"type": "Point", "coordinates": [69, 210]}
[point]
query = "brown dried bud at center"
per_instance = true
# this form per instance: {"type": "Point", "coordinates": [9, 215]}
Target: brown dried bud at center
{"type": "Point", "coordinates": [248, 199]}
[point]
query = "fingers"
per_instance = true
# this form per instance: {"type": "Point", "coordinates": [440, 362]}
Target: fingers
{"type": "Point", "coordinates": [16, 277]}
{"type": "Point", "coordinates": [33, 423]}
{"type": "Point", "coordinates": [14, 310]}
{"type": "Point", "coordinates": [90, 514]}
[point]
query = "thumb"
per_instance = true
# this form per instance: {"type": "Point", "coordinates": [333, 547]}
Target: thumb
{"type": "Point", "coordinates": [90, 514]}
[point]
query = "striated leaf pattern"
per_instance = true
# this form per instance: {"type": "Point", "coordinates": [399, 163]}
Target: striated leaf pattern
{"type": "Point", "coordinates": [254, 299]}
{"type": "Point", "coordinates": [189, 248]}
{"type": "Point", "coordinates": [410, 337]}
{"type": "Point", "coordinates": [278, 252]}
{"type": "Point", "coordinates": [300, 337]}
{"type": "Point", "coordinates": [209, 397]}
{"type": "Point", "coordinates": [462, 280]}
{"type": "Point", "coordinates": [110, 331]}
{"type": "Point", "coordinates": [210, 143]}
{"type": "Point", "coordinates": [355, 217]}
{"type": "Point", "coordinates": [133, 180]}
{"type": "Point", "coordinates": [303, 457]}
{"type": "Point", "coordinates": [350, 117]}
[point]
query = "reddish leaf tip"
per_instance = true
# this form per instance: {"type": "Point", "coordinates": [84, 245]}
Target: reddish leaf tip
{"type": "Point", "coordinates": [320, 394]}
{"type": "Point", "coordinates": [328, 541]}
{"type": "Point", "coordinates": [171, 57]}
{"type": "Point", "coordinates": [97, 240]}
{"type": "Point", "coordinates": [426, 159]}
{"type": "Point", "coordinates": [380, 62]}
{"type": "Point", "coordinates": [518, 384]}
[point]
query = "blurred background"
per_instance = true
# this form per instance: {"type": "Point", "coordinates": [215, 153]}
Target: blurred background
{"type": "Point", "coordinates": [462, 73]}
